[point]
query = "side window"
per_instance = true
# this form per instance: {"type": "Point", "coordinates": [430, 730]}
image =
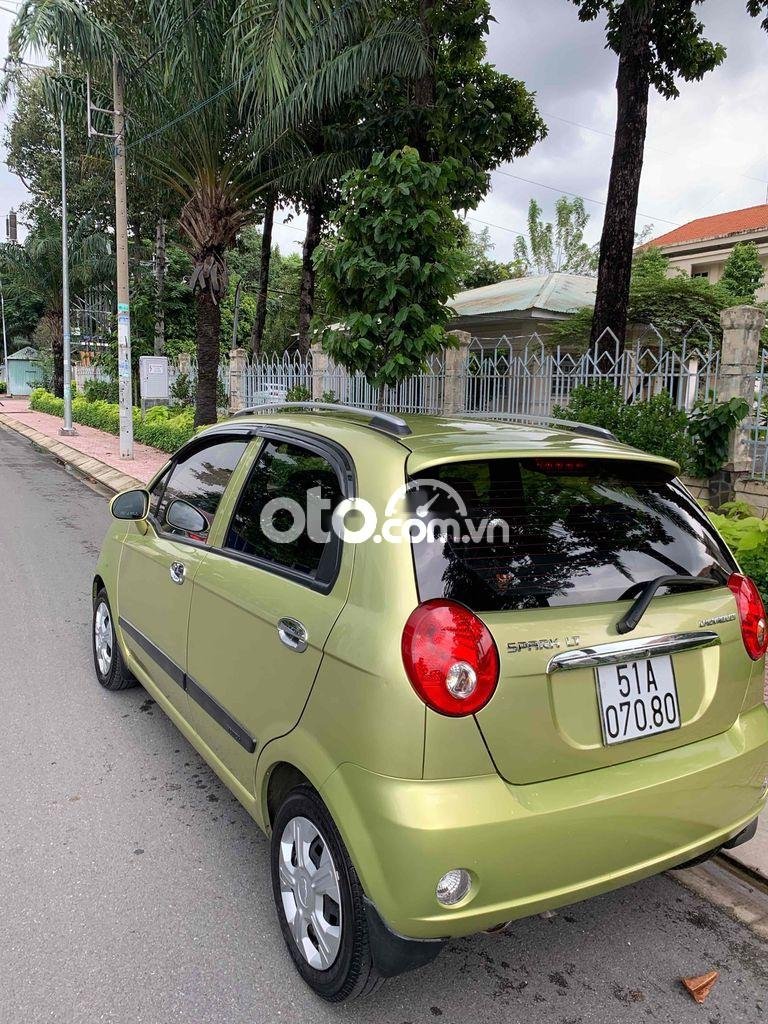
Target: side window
{"type": "Point", "coordinates": [201, 479]}
{"type": "Point", "coordinates": [296, 531]}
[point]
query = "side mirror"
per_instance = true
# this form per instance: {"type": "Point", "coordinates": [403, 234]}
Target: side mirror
{"type": "Point", "coordinates": [183, 516]}
{"type": "Point", "coordinates": [132, 505]}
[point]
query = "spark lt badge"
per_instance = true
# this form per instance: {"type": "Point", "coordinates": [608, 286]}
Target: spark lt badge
{"type": "Point", "coordinates": [552, 644]}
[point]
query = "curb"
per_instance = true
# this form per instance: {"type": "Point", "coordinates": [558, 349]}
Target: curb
{"type": "Point", "coordinates": [92, 469]}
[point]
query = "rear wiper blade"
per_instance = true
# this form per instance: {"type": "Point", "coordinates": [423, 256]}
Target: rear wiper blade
{"type": "Point", "coordinates": [644, 598]}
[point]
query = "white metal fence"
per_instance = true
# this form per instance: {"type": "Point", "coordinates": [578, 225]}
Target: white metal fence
{"type": "Point", "coordinates": [513, 375]}
{"type": "Point", "coordinates": [502, 376]}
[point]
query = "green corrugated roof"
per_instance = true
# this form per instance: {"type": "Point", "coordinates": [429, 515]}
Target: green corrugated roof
{"type": "Point", "coordinates": [556, 293]}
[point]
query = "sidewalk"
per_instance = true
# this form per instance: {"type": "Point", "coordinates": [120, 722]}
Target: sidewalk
{"type": "Point", "coordinates": [97, 456]}
{"type": "Point", "coordinates": [91, 452]}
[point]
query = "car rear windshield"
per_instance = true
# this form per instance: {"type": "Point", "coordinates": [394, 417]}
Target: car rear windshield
{"type": "Point", "coordinates": [504, 534]}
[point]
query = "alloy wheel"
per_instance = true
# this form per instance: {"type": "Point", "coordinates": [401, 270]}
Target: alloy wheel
{"type": "Point", "coordinates": [103, 638]}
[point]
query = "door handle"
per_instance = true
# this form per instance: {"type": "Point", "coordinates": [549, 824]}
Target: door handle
{"type": "Point", "coordinates": [177, 572]}
{"type": "Point", "coordinates": [293, 634]}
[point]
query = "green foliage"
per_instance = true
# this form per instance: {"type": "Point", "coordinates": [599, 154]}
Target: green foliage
{"type": "Point", "coordinates": [675, 306]}
{"type": "Point", "coordinates": [743, 273]}
{"type": "Point", "coordinates": [100, 391]}
{"type": "Point", "coordinates": [3, 387]}
{"type": "Point", "coordinates": [747, 537]}
{"type": "Point", "coordinates": [391, 268]}
{"type": "Point", "coordinates": [183, 392]}
{"type": "Point", "coordinates": [650, 266]}
{"type": "Point", "coordinates": [655, 426]}
{"type": "Point", "coordinates": [710, 427]}
{"type": "Point", "coordinates": [164, 432]}
{"type": "Point", "coordinates": [676, 48]}
{"type": "Point", "coordinates": [558, 247]}
{"type": "Point", "coordinates": [298, 393]}
{"type": "Point", "coordinates": [478, 268]}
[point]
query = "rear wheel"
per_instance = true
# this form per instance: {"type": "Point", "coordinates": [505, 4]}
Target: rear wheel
{"type": "Point", "coordinates": [111, 670]}
{"type": "Point", "coordinates": [319, 901]}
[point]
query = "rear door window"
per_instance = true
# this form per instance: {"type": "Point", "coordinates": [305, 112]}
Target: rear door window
{"type": "Point", "coordinates": [284, 513]}
{"type": "Point", "coordinates": [557, 532]}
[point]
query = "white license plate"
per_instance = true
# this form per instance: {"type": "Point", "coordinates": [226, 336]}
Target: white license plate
{"type": "Point", "coordinates": [638, 698]}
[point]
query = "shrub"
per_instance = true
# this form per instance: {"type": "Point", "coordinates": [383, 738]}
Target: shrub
{"type": "Point", "coordinates": [3, 388]}
{"type": "Point", "coordinates": [747, 537]}
{"type": "Point", "coordinates": [298, 393]}
{"type": "Point", "coordinates": [183, 390]}
{"type": "Point", "coordinates": [710, 428]}
{"type": "Point", "coordinates": [655, 426]}
{"type": "Point", "coordinates": [161, 430]}
{"type": "Point", "coordinates": [101, 390]}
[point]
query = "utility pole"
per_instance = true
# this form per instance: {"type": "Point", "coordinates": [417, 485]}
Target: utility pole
{"type": "Point", "coordinates": [67, 430]}
{"type": "Point", "coordinates": [123, 290]}
{"type": "Point", "coordinates": [5, 341]}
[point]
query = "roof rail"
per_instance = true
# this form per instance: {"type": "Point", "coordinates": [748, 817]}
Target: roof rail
{"type": "Point", "coordinates": [382, 421]}
{"type": "Point", "coordinates": [587, 429]}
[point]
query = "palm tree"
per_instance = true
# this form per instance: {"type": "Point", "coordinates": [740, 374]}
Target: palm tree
{"type": "Point", "coordinates": [36, 266]}
{"type": "Point", "coordinates": [221, 98]}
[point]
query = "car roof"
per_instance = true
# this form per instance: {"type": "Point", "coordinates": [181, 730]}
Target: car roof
{"type": "Point", "coordinates": [433, 440]}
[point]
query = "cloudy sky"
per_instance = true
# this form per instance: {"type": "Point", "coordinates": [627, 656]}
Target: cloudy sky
{"type": "Point", "coordinates": [707, 151]}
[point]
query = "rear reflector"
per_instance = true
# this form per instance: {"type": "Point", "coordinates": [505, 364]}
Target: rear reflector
{"type": "Point", "coordinates": [754, 630]}
{"type": "Point", "coordinates": [450, 658]}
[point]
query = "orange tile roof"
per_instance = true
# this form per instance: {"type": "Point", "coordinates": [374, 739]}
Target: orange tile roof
{"type": "Point", "coordinates": [754, 218]}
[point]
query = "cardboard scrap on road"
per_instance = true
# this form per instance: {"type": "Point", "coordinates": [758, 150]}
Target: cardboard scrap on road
{"type": "Point", "coordinates": [700, 986]}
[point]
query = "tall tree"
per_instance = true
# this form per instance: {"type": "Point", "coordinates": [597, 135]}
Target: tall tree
{"type": "Point", "coordinates": [559, 247]}
{"type": "Point", "coordinates": [391, 267]}
{"type": "Point", "coordinates": [478, 268]}
{"type": "Point", "coordinates": [657, 42]}
{"type": "Point", "coordinates": [744, 272]}
{"type": "Point", "coordinates": [257, 334]}
{"type": "Point", "coordinates": [36, 266]}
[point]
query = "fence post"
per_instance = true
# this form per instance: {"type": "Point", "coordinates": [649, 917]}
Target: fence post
{"type": "Point", "coordinates": [321, 362]}
{"type": "Point", "coordinates": [238, 361]}
{"type": "Point", "coordinates": [184, 363]}
{"type": "Point", "coordinates": [738, 372]}
{"type": "Point", "coordinates": [455, 369]}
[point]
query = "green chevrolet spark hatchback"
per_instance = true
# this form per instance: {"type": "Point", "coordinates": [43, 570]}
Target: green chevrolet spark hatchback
{"type": "Point", "coordinates": [460, 671]}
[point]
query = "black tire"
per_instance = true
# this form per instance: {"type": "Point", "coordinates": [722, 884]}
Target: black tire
{"type": "Point", "coordinates": [116, 676]}
{"type": "Point", "coordinates": [352, 973]}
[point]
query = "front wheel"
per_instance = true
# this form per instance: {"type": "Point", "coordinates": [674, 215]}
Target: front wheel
{"type": "Point", "coordinates": [319, 901]}
{"type": "Point", "coordinates": [111, 670]}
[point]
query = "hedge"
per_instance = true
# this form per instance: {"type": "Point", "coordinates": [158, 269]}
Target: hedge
{"type": "Point", "coordinates": [160, 428]}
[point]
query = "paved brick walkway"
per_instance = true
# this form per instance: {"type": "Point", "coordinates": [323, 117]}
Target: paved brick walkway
{"type": "Point", "coordinates": [94, 444]}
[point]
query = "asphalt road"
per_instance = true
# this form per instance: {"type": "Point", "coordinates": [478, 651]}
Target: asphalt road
{"type": "Point", "coordinates": [133, 888]}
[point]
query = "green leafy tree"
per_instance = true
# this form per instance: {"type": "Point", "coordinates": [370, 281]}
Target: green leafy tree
{"type": "Point", "coordinates": [391, 267]}
{"type": "Point", "coordinates": [649, 265]}
{"type": "Point", "coordinates": [36, 265]}
{"type": "Point", "coordinates": [558, 247]}
{"type": "Point", "coordinates": [744, 272]}
{"type": "Point", "coordinates": [657, 42]}
{"type": "Point", "coordinates": [478, 267]}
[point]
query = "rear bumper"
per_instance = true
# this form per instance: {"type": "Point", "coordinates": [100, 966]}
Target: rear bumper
{"type": "Point", "coordinates": [536, 847]}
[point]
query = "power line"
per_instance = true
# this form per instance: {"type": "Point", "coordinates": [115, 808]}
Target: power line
{"type": "Point", "coordinates": [652, 149]}
{"type": "Point", "coordinates": [575, 195]}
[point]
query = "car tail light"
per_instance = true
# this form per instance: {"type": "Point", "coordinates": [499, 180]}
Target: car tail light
{"type": "Point", "coordinates": [754, 630]}
{"type": "Point", "coordinates": [450, 658]}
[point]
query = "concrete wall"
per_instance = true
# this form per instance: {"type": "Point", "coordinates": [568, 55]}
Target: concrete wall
{"type": "Point", "coordinates": [753, 492]}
